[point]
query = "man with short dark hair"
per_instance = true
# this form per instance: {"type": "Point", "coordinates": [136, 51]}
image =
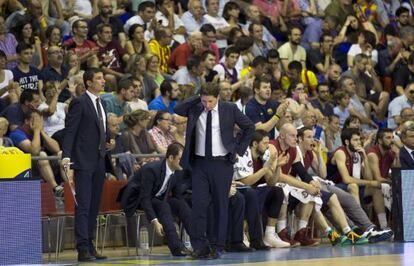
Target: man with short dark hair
{"type": "Point", "coordinates": [145, 16]}
{"type": "Point", "coordinates": [407, 151]}
{"type": "Point", "coordinates": [168, 98]}
{"type": "Point", "coordinates": [117, 103]}
{"type": "Point", "coordinates": [209, 40]}
{"type": "Point", "coordinates": [160, 46]}
{"type": "Point", "coordinates": [28, 77]}
{"type": "Point", "coordinates": [84, 144]}
{"type": "Point", "coordinates": [319, 59]}
{"type": "Point", "coordinates": [263, 111]}
{"type": "Point", "coordinates": [79, 44]}
{"type": "Point", "coordinates": [292, 50]}
{"type": "Point", "coordinates": [158, 183]}
{"type": "Point", "coordinates": [29, 100]}
{"type": "Point", "coordinates": [189, 78]}
{"type": "Point", "coordinates": [227, 70]}
{"type": "Point", "coordinates": [211, 150]}
{"type": "Point", "coordinates": [323, 100]}
{"type": "Point", "coordinates": [349, 169]}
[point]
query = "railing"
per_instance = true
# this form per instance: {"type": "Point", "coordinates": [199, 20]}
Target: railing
{"type": "Point", "coordinates": [56, 157]}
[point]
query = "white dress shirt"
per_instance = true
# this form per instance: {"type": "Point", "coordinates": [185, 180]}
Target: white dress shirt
{"type": "Point", "coordinates": [93, 98]}
{"type": "Point", "coordinates": [168, 174]}
{"type": "Point", "coordinates": [218, 148]}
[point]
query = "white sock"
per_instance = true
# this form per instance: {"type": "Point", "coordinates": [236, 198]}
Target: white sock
{"type": "Point", "coordinates": [270, 230]}
{"type": "Point", "coordinates": [281, 224]}
{"type": "Point", "coordinates": [382, 219]}
{"type": "Point", "coordinates": [302, 224]}
{"type": "Point", "coordinates": [346, 229]}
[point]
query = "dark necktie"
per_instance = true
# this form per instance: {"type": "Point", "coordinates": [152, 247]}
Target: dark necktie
{"type": "Point", "coordinates": [166, 190]}
{"type": "Point", "coordinates": [209, 144]}
{"type": "Point", "coordinates": [412, 154]}
{"type": "Point", "coordinates": [101, 128]}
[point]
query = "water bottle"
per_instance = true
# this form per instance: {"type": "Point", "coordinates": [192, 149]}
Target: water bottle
{"type": "Point", "coordinates": [186, 240]}
{"type": "Point", "coordinates": [144, 241]}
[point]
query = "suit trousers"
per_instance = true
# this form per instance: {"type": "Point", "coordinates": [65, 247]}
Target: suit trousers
{"type": "Point", "coordinates": [253, 214]}
{"type": "Point", "coordinates": [166, 211]}
{"type": "Point", "coordinates": [236, 218]}
{"type": "Point", "coordinates": [88, 186]}
{"type": "Point", "coordinates": [211, 182]}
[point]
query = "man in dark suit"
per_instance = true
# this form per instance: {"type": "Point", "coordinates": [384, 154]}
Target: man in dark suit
{"type": "Point", "coordinates": [160, 199]}
{"type": "Point", "coordinates": [407, 151]}
{"type": "Point", "coordinates": [210, 151]}
{"type": "Point", "coordinates": [84, 146]}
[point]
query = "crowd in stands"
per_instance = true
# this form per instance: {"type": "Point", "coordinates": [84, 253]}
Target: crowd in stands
{"type": "Point", "coordinates": [329, 85]}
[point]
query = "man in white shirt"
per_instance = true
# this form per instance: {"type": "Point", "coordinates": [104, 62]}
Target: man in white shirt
{"type": "Point", "coordinates": [395, 107]}
{"type": "Point", "coordinates": [219, 23]}
{"type": "Point", "coordinates": [146, 13]}
{"type": "Point", "coordinates": [193, 18]}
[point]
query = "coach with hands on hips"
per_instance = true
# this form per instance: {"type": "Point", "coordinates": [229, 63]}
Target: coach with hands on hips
{"type": "Point", "coordinates": [210, 152]}
{"type": "Point", "coordinates": [84, 145]}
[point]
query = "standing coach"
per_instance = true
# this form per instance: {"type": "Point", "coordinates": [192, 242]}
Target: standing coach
{"type": "Point", "coordinates": [84, 145]}
{"type": "Point", "coordinates": [210, 152]}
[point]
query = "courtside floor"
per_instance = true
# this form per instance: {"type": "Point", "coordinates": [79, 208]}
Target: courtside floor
{"type": "Point", "coordinates": [381, 254]}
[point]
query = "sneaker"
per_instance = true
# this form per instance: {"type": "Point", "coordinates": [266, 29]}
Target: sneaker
{"type": "Point", "coordinates": [304, 240]}
{"type": "Point", "coordinates": [336, 238]}
{"type": "Point", "coordinates": [355, 239]}
{"type": "Point", "coordinates": [246, 241]}
{"type": "Point", "coordinates": [58, 190]}
{"type": "Point", "coordinates": [375, 236]}
{"type": "Point", "coordinates": [273, 240]}
{"type": "Point", "coordinates": [284, 236]}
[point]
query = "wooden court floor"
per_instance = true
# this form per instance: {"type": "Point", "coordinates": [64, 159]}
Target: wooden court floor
{"type": "Point", "coordinates": [380, 254]}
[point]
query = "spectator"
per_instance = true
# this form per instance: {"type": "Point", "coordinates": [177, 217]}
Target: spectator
{"type": "Point", "coordinates": [54, 112]}
{"type": "Point", "coordinates": [56, 71]}
{"type": "Point", "coordinates": [144, 16]}
{"type": "Point", "coordinates": [340, 10]}
{"type": "Point", "coordinates": [314, 32]}
{"type": "Point", "coordinates": [184, 51]}
{"type": "Point", "coordinates": [332, 76]}
{"type": "Point", "coordinates": [341, 109]}
{"type": "Point", "coordinates": [180, 123]}
{"type": "Point", "coordinates": [320, 59]}
{"type": "Point", "coordinates": [162, 133]}
{"type": "Point", "coordinates": [111, 54]}
{"type": "Point", "coordinates": [404, 75]}
{"type": "Point", "coordinates": [398, 104]}
{"type": "Point", "coordinates": [166, 18]}
{"type": "Point", "coordinates": [4, 127]}
{"type": "Point", "coordinates": [366, 45]}
{"type": "Point", "coordinates": [14, 113]}
{"type": "Point", "coordinates": [7, 77]}
{"type": "Point", "coordinates": [209, 40]}
{"type": "Point", "coordinates": [117, 103]}
{"type": "Point", "coordinates": [31, 138]}
{"type": "Point", "coordinates": [260, 47]}
{"type": "Point", "coordinates": [292, 50]}
{"type": "Point", "coordinates": [366, 84]}
{"type": "Point", "coordinates": [189, 78]}
{"type": "Point", "coordinates": [138, 71]}
{"type": "Point", "coordinates": [254, 16]}
{"type": "Point", "coordinates": [8, 44]}
{"type": "Point", "coordinates": [209, 61]}
{"type": "Point", "coordinates": [153, 69]}
{"type": "Point", "coordinates": [106, 17]}
{"type": "Point", "coordinates": [136, 103]}
{"type": "Point", "coordinates": [227, 70]}
{"type": "Point", "coordinates": [24, 34]}
{"type": "Point", "coordinates": [85, 49]}
{"type": "Point", "coordinates": [28, 77]}
{"type": "Point", "coordinates": [136, 43]}
{"type": "Point", "coordinates": [323, 100]}
{"type": "Point", "coordinates": [333, 134]}
{"type": "Point", "coordinates": [135, 138]}
{"type": "Point", "coordinates": [297, 73]}
{"type": "Point", "coordinates": [245, 94]}
{"type": "Point", "coordinates": [159, 46]}
{"type": "Point", "coordinates": [168, 98]}
{"type": "Point", "coordinates": [225, 91]}
{"type": "Point", "coordinates": [193, 18]}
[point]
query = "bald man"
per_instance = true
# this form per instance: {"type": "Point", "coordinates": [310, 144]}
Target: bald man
{"type": "Point", "coordinates": [180, 55]}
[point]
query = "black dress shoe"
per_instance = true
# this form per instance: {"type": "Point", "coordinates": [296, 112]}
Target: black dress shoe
{"type": "Point", "coordinates": [95, 254]}
{"type": "Point", "coordinates": [238, 247]}
{"type": "Point", "coordinates": [84, 255]}
{"type": "Point", "coordinates": [201, 254]}
{"type": "Point", "coordinates": [215, 254]}
{"type": "Point", "coordinates": [259, 245]}
{"type": "Point", "coordinates": [181, 252]}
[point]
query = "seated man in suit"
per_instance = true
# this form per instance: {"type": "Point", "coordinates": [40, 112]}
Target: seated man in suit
{"type": "Point", "coordinates": [407, 152]}
{"type": "Point", "coordinates": [155, 182]}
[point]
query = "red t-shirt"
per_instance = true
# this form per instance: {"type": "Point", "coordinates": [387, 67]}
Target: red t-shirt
{"type": "Point", "coordinates": [115, 51]}
{"type": "Point", "coordinates": [180, 56]}
{"type": "Point", "coordinates": [385, 160]}
{"type": "Point", "coordinates": [79, 49]}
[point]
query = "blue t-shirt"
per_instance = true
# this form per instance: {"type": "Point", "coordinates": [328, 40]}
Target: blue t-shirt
{"type": "Point", "coordinates": [261, 113]}
{"type": "Point", "coordinates": [18, 135]}
{"type": "Point", "coordinates": [158, 104]}
{"type": "Point", "coordinates": [14, 114]}
{"type": "Point", "coordinates": [27, 81]}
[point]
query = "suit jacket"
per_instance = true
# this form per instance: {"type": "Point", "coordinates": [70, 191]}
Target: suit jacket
{"type": "Point", "coordinates": [145, 184]}
{"type": "Point", "coordinates": [406, 159]}
{"type": "Point", "coordinates": [229, 116]}
{"type": "Point", "coordinates": [81, 140]}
